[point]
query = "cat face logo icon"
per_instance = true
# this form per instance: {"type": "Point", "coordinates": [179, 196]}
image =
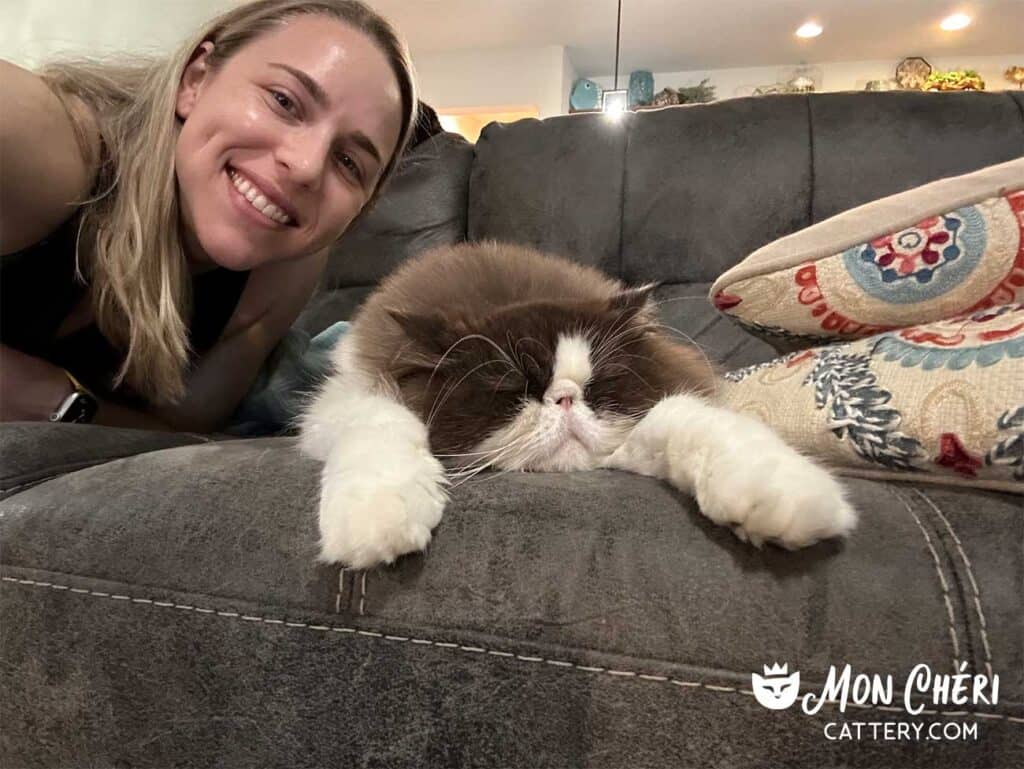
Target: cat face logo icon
{"type": "Point", "coordinates": [776, 690]}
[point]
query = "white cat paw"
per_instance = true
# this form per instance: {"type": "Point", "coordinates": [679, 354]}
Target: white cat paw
{"type": "Point", "coordinates": [368, 519]}
{"type": "Point", "coordinates": [787, 500]}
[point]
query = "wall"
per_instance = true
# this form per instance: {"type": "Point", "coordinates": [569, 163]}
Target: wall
{"type": "Point", "coordinates": [33, 32]}
{"type": "Point", "coordinates": [497, 78]}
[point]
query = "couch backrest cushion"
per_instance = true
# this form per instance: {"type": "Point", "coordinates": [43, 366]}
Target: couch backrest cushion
{"type": "Point", "coordinates": [555, 184]}
{"type": "Point", "coordinates": [423, 206]}
{"type": "Point", "coordinates": [682, 194]}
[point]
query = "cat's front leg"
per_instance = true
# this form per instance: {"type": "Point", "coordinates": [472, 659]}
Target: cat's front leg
{"type": "Point", "coordinates": [741, 473]}
{"type": "Point", "coordinates": [382, 490]}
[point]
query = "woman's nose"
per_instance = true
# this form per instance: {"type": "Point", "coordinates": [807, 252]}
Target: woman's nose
{"type": "Point", "coordinates": [305, 155]}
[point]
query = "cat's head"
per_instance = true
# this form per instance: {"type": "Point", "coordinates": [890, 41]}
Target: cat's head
{"type": "Point", "coordinates": [540, 385]}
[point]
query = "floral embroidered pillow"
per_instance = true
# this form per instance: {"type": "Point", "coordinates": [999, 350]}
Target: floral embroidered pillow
{"type": "Point", "coordinates": [941, 402]}
{"type": "Point", "coordinates": [950, 247]}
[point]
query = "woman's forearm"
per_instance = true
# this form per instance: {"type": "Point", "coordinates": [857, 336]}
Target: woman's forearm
{"type": "Point", "coordinates": [31, 389]}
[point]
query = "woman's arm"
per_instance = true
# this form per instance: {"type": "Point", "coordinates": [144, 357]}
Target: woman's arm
{"type": "Point", "coordinates": [44, 175]}
{"type": "Point", "coordinates": [273, 298]}
{"type": "Point", "coordinates": [32, 388]}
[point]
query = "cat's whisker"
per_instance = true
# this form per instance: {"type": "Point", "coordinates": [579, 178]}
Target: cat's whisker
{"type": "Point", "coordinates": [447, 352]}
{"type": "Point", "coordinates": [610, 338]}
{"type": "Point", "coordinates": [532, 339]}
{"type": "Point", "coordinates": [631, 371]}
{"type": "Point", "coordinates": [499, 453]}
{"type": "Point", "coordinates": [690, 340]}
{"type": "Point", "coordinates": [659, 302]}
{"type": "Point", "coordinates": [448, 392]}
{"type": "Point", "coordinates": [493, 453]}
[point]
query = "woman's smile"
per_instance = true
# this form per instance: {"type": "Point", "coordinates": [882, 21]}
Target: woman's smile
{"type": "Point", "coordinates": [254, 204]}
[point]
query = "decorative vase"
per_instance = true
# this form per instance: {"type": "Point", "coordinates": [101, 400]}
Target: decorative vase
{"type": "Point", "coordinates": [585, 95]}
{"type": "Point", "coordinates": [641, 88]}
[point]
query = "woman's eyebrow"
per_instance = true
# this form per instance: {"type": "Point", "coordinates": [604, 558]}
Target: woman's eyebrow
{"type": "Point", "coordinates": [319, 94]}
{"type": "Point", "coordinates": [320, 97]}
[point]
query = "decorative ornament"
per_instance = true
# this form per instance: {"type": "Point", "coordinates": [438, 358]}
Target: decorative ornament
{"type": "Point", "coordinates": [701, 93]}
{"type": "Point", "coordinates": [954, 80]}
{"type": "Point", "coordinates": [666, 97]}
{"type": "Point", "coordinates": [912, 72]}
{"type": "Point", "coordinates": [1015, 75]}
{"type": "Point", "coordinates": [771, 88]}
{"type": "Point", "coordinates": [804, 79]}
{"type": "Point", "coordinates": [641, 88]}
{"type": "Point", "coordinates": [882, 85]}
{"type": "Point", "coordinates": [586, 95]}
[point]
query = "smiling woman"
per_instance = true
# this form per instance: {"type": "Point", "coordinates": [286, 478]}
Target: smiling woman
{"type": "Point", "coordinates": [188, 209]}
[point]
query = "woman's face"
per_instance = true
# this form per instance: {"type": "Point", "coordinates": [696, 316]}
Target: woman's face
{"type": "Point", "coordinates": [283, 145]}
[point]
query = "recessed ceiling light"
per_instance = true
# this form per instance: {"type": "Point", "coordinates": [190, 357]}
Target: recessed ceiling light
{"type": "Point", "coordinates": [955, 22]}
{"type": "Point", "coordinates": [810, 29]}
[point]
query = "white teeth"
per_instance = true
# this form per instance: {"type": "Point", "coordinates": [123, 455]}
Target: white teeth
{"type": "Point", "coordinates": [258, 201]}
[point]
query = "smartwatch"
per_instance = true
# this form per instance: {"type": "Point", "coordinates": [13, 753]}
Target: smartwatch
{"type": "Point", "coordinates": [80, 406]}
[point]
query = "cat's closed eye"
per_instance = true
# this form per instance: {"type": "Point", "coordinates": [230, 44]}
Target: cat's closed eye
{"type": "Point", "coordinates": [511, 382]}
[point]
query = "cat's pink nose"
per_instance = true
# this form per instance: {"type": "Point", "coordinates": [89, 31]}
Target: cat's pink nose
{"type": "Point", "coordinates": [562, 393]}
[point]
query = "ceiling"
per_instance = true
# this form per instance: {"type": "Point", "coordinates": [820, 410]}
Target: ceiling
{"type": "Point", "coordinates": [680, 35]}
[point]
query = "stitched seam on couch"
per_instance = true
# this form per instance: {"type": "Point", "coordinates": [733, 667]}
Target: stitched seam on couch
{"type": "Point", "coordinates": [237, 616]}
{"type": "Point", "coordinates": [976, 593]}
{"type": "Point", "coordinates": [943, 582]}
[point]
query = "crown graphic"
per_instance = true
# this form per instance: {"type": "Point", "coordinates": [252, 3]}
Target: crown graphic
{"type": "Point", "coordinates": [776, 670]}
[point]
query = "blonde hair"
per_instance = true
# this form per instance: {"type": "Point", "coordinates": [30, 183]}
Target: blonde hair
{"type": "Point", "coordinates": [129, 231]}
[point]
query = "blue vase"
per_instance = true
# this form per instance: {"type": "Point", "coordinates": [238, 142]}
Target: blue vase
{"type": "Point", "coordinates": [586, 94]}
{"type": "Point", "coordinates": [641, 88]}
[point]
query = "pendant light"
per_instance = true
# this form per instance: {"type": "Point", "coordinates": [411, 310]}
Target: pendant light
{"type": "Point", "coordinates": [615, 101]}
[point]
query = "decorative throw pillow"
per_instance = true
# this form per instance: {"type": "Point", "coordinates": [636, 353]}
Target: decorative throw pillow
{"type": "Point", "coordinates": [942, 402]}
{"type": "Point", "coordinates": [953, 246]}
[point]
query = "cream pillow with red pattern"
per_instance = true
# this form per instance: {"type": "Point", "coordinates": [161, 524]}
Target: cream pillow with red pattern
{"type": "Point", "coordinates": [940, 402]}
{"type": "Point", "coordinates": [947, 248]}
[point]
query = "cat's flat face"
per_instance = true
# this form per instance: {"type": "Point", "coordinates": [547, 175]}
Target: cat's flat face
{"type": "Point", "coordinates": [540, 386]}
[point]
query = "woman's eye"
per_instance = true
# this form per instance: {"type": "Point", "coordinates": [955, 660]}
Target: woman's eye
{"type": "Point", "coordinates": [350, 164]}
{"type": "Point", "coordinates": [283, 100]}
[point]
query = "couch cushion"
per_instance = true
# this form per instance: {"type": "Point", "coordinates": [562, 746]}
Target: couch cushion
{"type": "Point", "coordinates": [683, 193]}
{"type": "Point", "coordinates": [943, 401]}
{"type": "Point", "coordinates": [702, 189]}
{"type": "Point", "coordinates": [946, 248]}
{"type": "Point", "coordinates": [423, 206]}
{"type": "Point", "coordinates": [32, 452]}
{"type": "Point", "coordinates": [556, 185]}
{"type": "Point", "coordinates": [867, 146]}
{"type": "Point", "coordinates": [584, 619]}
{"type": "Point", "coordinates": [575, 565]}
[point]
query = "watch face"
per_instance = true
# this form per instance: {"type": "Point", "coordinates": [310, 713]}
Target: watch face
{"type": "Point", "coordinates": [82, 409]}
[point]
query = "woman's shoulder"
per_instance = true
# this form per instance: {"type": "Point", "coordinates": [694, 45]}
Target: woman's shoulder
{"type": "Point", "coordinates": [45, 172]}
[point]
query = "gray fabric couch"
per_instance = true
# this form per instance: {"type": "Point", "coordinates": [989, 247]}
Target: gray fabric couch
{"type": "Point", "coordinates": [161, 605]}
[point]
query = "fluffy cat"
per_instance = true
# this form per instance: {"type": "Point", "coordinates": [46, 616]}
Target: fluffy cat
{"type": "Point", "coordinates": [495, 356]}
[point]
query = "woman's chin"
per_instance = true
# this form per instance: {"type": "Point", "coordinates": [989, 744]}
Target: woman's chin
{"type": "Point", "coordinates": [226, 252]}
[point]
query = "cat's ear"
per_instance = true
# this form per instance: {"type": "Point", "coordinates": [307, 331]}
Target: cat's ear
{"type": "Point", "coordinates": [631, 299]}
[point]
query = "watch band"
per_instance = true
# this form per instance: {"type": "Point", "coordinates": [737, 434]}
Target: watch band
{"type": "Point", "coordinates": [79, 387]}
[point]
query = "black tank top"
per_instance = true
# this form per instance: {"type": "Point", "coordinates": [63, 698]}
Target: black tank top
{"type": "Point", "coordinates": [38, 289]}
